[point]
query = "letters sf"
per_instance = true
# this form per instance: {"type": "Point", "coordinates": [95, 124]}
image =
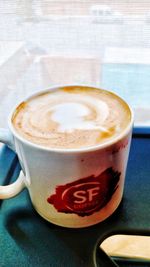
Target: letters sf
{"type": "Point", "coordinates": [86, 195]}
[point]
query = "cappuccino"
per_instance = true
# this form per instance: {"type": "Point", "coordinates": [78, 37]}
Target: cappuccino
{"type": "Point", "coordinates": [71, 117]}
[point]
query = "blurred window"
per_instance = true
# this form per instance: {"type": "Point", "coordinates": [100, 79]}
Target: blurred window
{"type": "Point", "coordinates": [102, 43]}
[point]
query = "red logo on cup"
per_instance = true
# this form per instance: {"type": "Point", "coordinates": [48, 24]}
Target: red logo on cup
{"type": "Point", "coordinates": [87, 195]}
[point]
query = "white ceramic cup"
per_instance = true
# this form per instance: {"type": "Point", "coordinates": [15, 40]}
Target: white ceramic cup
{"type": "Point", "coordinates": [70, 187]}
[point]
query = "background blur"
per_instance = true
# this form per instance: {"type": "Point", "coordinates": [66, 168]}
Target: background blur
{"type": "Point", "coordinates": [101, 43]}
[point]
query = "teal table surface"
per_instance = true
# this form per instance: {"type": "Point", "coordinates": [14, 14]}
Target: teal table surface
{"type": "Point", "coordinates": [26, 239]}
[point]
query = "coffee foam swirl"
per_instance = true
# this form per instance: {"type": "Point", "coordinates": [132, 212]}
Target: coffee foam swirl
{"type": "Point", "coordinates": [80, 113]}
{"type": "Point", "coordinates": [64, 119]}
{"type": "Point", "coordinates": [76, 112]}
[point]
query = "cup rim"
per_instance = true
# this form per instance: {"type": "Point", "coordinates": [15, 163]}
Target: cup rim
{"type": "Point", "coordinates": [70, 150]}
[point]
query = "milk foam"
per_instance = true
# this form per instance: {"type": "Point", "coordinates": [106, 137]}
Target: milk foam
{"type": "Point", "coordinates": [76, 118]}
{"type": "Point", "coordinates": [73, 115]}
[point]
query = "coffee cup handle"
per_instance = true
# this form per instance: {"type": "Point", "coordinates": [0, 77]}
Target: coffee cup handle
{"type": "Point", "coordinates": [8, 191]}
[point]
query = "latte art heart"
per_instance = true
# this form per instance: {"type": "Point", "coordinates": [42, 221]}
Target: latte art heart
{"type": "Point", "coordinates": [71, 117]}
